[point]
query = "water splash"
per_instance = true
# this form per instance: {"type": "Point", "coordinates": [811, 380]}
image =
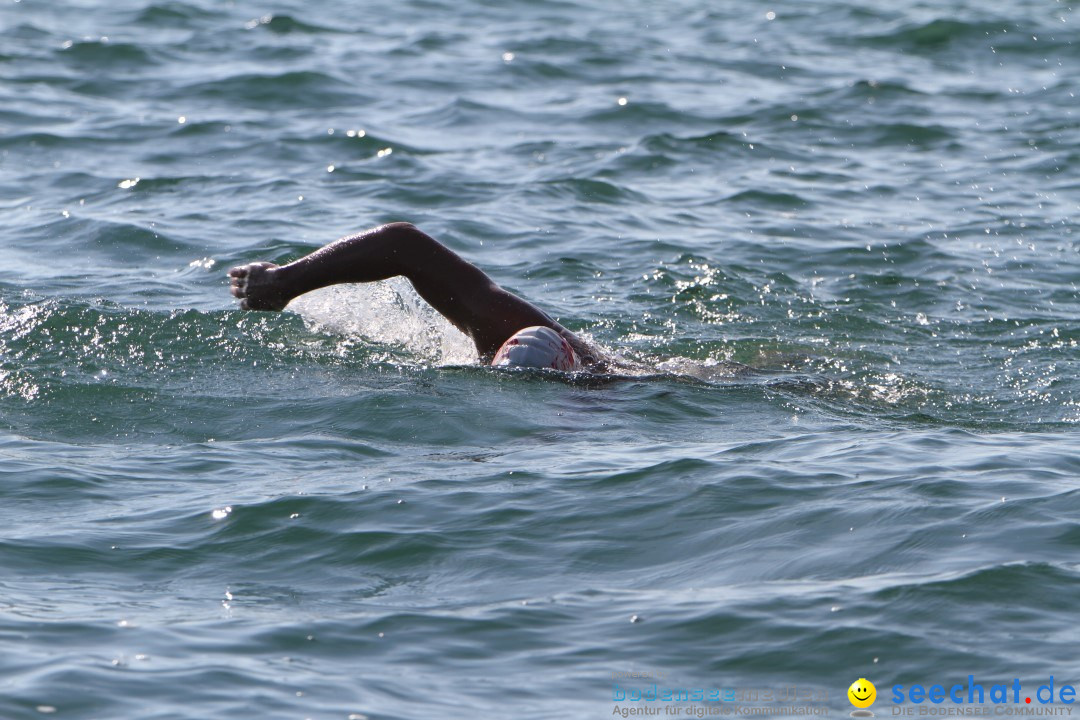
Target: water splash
{"type": "Point", "coordinates": [387, 313]}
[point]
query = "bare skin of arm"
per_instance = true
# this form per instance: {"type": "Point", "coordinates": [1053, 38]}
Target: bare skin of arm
{"type": "Point", "coordinates": [460, 291]}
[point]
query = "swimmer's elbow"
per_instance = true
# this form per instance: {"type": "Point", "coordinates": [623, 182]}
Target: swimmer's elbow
{"type": "Point", "coordinates": [401, 227]}
{"type": "Point", "coordinates": [408, 235]}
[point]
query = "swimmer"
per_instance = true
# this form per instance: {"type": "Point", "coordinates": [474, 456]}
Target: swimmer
{"type": "Point", "coordinates": [505, 329]}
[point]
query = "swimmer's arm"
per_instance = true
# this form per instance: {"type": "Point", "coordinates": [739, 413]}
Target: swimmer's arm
{"type": "Point", "coordinates": [457, 289]}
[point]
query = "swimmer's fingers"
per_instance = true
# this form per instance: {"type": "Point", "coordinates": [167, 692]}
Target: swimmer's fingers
{"type": "Point", "coordinates": [239, 291]}
{"type": "Point", "coordinates": [238, 286]}
{"type": "Point", "coordinates": [256, 286]}
{"type": "Point", "coordinates": [251, 270]}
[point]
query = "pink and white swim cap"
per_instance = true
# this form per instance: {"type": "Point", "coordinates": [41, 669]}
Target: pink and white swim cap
{"type": "Point", "coordinates": [539, 347]}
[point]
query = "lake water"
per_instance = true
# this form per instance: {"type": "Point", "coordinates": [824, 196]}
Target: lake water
{"type": "Point", "coordinates": [335, 512]}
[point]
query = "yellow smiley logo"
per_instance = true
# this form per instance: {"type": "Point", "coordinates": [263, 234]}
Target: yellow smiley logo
{"type": "Point", "coordinates": [862, 693]}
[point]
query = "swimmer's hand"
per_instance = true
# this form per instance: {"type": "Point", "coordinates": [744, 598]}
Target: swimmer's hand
{"type": "Point", "coordinates": [258, 286]}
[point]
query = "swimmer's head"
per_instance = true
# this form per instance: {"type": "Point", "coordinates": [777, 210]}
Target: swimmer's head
{"type": "Point", "coordinates": [539, 347]}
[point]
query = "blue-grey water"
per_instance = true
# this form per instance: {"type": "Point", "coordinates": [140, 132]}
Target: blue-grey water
{"type": "Point", "coordinates": [335, 512]}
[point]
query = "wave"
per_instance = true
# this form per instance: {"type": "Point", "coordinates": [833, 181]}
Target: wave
{"type": "Point", "coordinates": [769, 200]}
{"type": "Point", "coordinates": [171, 15]}
{"type": "Point", "coordinates": [299, 87]}
{"type": "Point", "coordinates": [586, 190]}
{"type": "Point", "coordinates": [287, 24]}
{"type": "Point", "coordinates": [946, 34]}
{"type": "Point", "coordinates": [88, 55]}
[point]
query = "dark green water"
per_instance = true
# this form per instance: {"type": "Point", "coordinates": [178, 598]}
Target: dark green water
{"type": "Point", "coordinates": [336, 513]}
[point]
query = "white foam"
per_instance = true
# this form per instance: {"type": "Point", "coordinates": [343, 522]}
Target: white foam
{"type": "Point", "coordinates": [386, 313]}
